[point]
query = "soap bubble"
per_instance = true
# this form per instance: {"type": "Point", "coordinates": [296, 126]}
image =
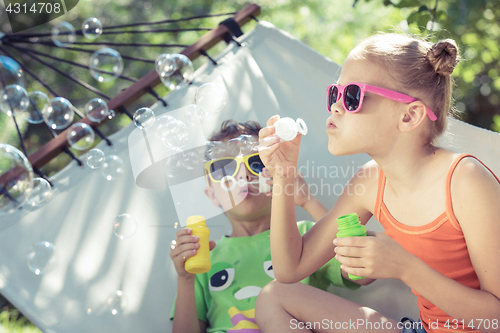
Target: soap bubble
{"type": "Point", "coordinates": [112, 167]}
{"type": "Point", "coordinates": [112, 114]}
{"type": "Point", "coordinates": [80, 136]}
{"type": "Point", "coordinates": [116, 302]}
{"type": "Point", "coordinates": [175, 70]}
{"type": "Point", "coordinates": [246, 143]}
{"type": "Point", "coordinates": [174, 164]}
{"type": "Point", "coordinates": [159, 62]}
{"type": "Point", "coordinates": [172, 132]}
{"type": "Point", "coordinates": [193, 160]}
{"type": "Point", "coordinates": [39, 102]}
{"type": "Point", "coordinates": [92, 28]}
{"type": "Point", "coordinates": [105, 64]}
{"type": "Point", "coordinates": [210, 98]}
{"type": "Point", "coordinates": [193, 114]}
{"type": "Point", "coordinates": [287, 129]}
{"type": "Point", "coordinates": [215, 149]}
{"type": "Point", "coordinates": [41, 257]}
{"type": "Point", "coordinates": [176, 225]}
{"type": "Point", "coordinates": [59, 113]}
{"type": "Point", "coordinates": [95, 158]}
{"type": "Point", "coordinates": [96, 110]}
{"type": "Point", "coordinates": [63, 34]}
{"type": "Point", "coordinates": [42, 191]}
{"type": "Point", "coordinates": [144, 118]}
{"type": "Point", "coordinates": [232, 147]}
{"type": "Point", "coordinates": [16, 179]}
{"type": "Point", "coordinates": [14, 98]}
{"type": "Point", "coordinates": [10, 72]}
{"type": "Point", "coordinates": [124, 226]}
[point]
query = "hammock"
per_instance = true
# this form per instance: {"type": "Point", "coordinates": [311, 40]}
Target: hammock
{"type": "Point", "coordinates": [272, 73]}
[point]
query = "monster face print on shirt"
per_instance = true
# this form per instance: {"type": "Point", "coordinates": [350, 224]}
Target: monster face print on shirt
{"type": "Point", "coordinates": [236, 285]}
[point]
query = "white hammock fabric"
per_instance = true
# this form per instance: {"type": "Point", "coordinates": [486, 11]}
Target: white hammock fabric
{"type": "Point", "coordinates": [273, 73]}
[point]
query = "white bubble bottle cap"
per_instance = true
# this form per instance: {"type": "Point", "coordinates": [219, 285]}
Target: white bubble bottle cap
{"type": "Point", "coordinates": [287, 128]}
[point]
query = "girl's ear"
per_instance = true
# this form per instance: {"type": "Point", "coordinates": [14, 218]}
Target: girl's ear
{"type": "Point", "coordinates": [210, 193]}
{"type": "Point", "coordinates": [414, 114]}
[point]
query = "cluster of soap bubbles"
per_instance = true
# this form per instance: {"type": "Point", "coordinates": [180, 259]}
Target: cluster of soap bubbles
{"type": "Point", "coordinates": [174, 69]}
{"type": "Point", "coordinates": [210, 98]}
{"type": "Point", "coordinates": [64, 34]}
{"type": "Point", "coordinates": [172, 132]}
{"type": "Point", "coordinates": [13, 96]}
{"type": "Point", "coordinates": [111, 166]}
{"type": "Point", "coordinates": [105, 64]}
{"type": "Point", "coordinates": [241, 145]}
{"type": "Point", "coordinates": [35, 106]}
{"type": "Point", "coordinates": [18, 185]}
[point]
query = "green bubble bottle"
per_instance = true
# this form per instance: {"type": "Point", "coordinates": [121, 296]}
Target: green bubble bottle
{"type": "Point", "coordinates": [349, 226]}
{"type": "Point", "coordinates": [200, 262]}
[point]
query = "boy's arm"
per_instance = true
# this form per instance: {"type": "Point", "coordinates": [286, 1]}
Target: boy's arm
{"type": "Point", "coordinates": [186, 315]}
{"type": "Point", "coordinates": [315, 208]}
{"type": "Point", "coordinates": [303, 196]}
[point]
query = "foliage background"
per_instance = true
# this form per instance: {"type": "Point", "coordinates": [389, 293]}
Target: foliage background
{"type": "Point", "coordinates": [332, 28]}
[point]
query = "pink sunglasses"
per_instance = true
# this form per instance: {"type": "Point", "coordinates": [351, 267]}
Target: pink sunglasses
{"type": "Point", "coordinates": [353, 94]}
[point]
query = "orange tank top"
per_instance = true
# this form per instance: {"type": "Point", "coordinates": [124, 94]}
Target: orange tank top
{"type": "Point", "coordinates": [440, 244]}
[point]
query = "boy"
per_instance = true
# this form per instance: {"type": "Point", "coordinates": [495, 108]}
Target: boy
{"type": "Point", "coordinates": [223, 299]}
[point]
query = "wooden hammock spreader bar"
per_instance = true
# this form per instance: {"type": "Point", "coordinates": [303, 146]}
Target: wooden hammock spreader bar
{"type": "Point", "coordinates": [55, 146]}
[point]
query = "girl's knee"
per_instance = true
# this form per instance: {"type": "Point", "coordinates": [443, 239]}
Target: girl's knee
{"type": "Point", "coordinates": [265, 295]}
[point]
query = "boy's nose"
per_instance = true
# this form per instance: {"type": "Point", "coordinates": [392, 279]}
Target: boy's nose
{"type": "Point", "coordinates": [243, 172]}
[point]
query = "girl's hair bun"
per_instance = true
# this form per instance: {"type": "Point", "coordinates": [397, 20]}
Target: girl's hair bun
{"type": "Point", "coordinates": [444, 56]}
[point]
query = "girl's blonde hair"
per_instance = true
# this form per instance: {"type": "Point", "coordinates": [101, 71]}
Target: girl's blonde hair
{"type": "Point", "coordinates": [420, 69]}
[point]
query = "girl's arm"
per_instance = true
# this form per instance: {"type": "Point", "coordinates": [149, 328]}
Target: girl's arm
{"type": "Point", "coordinates": [294, 256]}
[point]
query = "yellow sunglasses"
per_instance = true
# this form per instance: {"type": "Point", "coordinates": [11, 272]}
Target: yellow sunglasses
{"type": "Point", "coordinates": [229, 166]}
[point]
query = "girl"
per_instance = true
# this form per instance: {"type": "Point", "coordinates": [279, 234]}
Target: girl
{"type": "Point", "coordinates": [440, 209]}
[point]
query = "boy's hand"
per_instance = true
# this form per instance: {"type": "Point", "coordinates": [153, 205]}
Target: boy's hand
{"type": "Point", "coordinates": [279, 157]}
{"type": "Point", "coordinates": [183, 247]}
{"type": "Point", "coordinates": [302, 193]}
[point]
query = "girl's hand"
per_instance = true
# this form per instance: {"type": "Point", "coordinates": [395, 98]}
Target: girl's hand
{"type": "Point", "coordinates": [302, 193]}
{"type": "Point", "coordinates": [183, 247]}
{"type": "Point", "coordinates": [376, 256]}
{"type": "Point", "coordinates": [279, 157]}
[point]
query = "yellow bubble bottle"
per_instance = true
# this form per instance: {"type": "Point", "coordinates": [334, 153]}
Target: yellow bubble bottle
{"type": "Point", "coordinates": [200, 262]}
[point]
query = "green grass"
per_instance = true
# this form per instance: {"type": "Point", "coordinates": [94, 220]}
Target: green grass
{"type": "Point", "coordinates": [12, 321]}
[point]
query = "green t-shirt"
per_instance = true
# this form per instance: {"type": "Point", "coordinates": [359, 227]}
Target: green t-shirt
{"type": "Point", "coordinates": [241, 266]}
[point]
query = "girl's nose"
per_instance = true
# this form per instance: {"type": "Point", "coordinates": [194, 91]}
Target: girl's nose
{"type": "Point", "coordinates": [338, 107]}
